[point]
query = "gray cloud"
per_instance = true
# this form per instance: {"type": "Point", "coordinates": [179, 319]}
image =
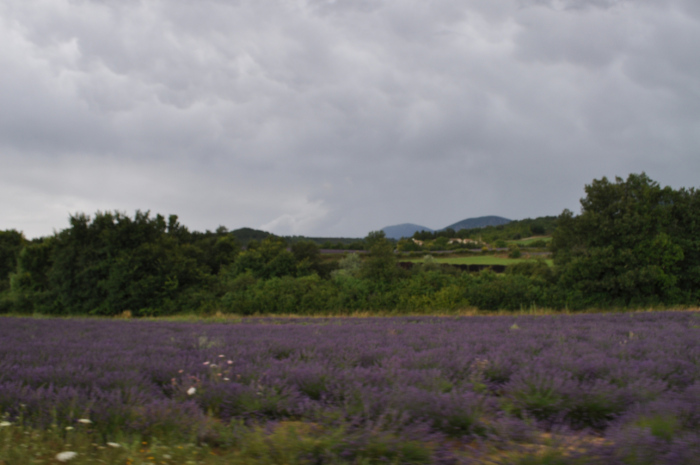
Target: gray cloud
{"type": "Point", "coordinates": [324, 117]}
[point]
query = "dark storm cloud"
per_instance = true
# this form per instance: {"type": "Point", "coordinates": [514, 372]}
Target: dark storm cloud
{"type": "Point", "coordinates": [325, 117]}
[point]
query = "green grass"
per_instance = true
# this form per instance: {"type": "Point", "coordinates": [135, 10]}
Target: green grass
{"type": "Point", "coordinates": [481, 260]}
{"type": "Point", "coordinates": [284, 443]}
{"type": "Point", "coordinates": [529, 240]}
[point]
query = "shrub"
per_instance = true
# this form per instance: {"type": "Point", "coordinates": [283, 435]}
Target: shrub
{"type": "Point", "coordinates": [514, 251]}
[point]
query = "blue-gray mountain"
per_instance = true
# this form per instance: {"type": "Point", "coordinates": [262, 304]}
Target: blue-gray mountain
{"type": "Point", "coordinates": [403, 230]}
{"type": "Point", "coordinates": [408, 229]}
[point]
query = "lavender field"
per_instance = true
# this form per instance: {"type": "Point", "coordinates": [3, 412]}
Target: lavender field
{"type": "Point", "coordinates": [589, 388]}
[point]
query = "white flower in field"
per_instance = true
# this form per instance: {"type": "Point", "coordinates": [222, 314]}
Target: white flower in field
{"type": "Point", "coordinates": [226, 379]}
{"type": "Point", "coordinates": [66, 456]}
{"type": "Point", "coordinates": [69, 428]}
{"type": "Point", "coordinates": [191, 391]}
{"type": "Point", "coordinates": [116, 445]}
{"type": "Point", "coordinates": [85, 421]}
{"type": "Point", "coordinates": [221, 356]}
{"type": "Point", "coordinates": [230, 362]}
{"type": "Point", "coordinates": [206, 363]}
{"type": "Point", "coordinates": [5, 423]}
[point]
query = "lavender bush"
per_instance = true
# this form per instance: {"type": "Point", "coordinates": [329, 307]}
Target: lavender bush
{"type": "Point", "coordinates": [630, 383]}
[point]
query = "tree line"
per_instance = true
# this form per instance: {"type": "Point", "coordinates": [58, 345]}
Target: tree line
{"type": "Point", "coordinates": [633, 244]}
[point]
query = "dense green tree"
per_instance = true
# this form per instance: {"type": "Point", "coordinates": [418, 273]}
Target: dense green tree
{"type": "Point", "coordinates": [148, 279]}
{"type": "Point", "coordinates": [348, 266]}
{"type": "Point", "coordinates": [108, 264]}
{"type": "Point", "coordinates": [380, 266]}
{"type": "Point", "coordinates": [408, 245]}
{"type": "Point", "coordinates": [266, 259]}
{"type": "Point", "coordinates": [448, 233]}
{"type": "Point", "coordinates": [441, 243]}
{"type": "Point", "coordinates": [308, 258]}
{"type": "Point", "coordinates": [11, 243]}
{"type": "Point", "coordinates": [632, 244]}
{"type": "Point", "coordinates": [214, 250]}
{"type": "Point", "coordinates": [423, 235]}
{"type": "Point", "coordinates": [684, 231]}
{"type": "Point", "coordinates": [29, 285]}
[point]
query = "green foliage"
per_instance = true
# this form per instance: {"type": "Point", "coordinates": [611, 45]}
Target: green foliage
{"type": "Point", "coordinates": [441, 243]}
{"type": "Point", "coordinates": [594, 410]}
{"type": "Point", "coordinates": [380, 266]}
{"type": "Point", "coordinates": [431, 290]}
{"type": "Point", "coordinates": [29, 285]}
{"type": "Point", "coordinates": [267, 259]}
{"type": "Point", "coordinates": [664, 427]}
{"type": "Point", "coordinates": [514, 251]}
{"type": "Point", "coordinates": [245, 235]}
{"type": "Point", "coordinates": [350, 266]}
{"type": "Point", "coordinates": [408, 245]}
{"type": "Point", "coordinates": [537, 269]}
{"type": "Point", "coordinates": [538, 243]}
{"type": "Point", "coordinates": [429, 264]}
{"type": "Point", "coordinates": [514, 230]}
{"type": "Point", "coordinates": [512, 291]}
{"type": "Point", "coordinates": [308, 258]}
{"type": "Point", "coordinates": [237, 443]}
{"type": "Point", "coordinates": [634, 244]}
{"type": "Point", "coordinates": [215, 251]}
{"type": "Point", "coordinates": [112, 263]}
{"type": "Point", "coordinates": [11, 243]}
{"type": "Point", "coordinates": [631, 245]}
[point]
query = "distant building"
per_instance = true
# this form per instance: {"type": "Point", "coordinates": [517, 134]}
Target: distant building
{"type": "Point", "coordinates": [461, 241]}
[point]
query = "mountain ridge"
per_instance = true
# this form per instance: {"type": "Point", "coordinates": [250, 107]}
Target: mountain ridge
{"type": "Point", "coordinates": [408, 229]}
{"type": "Point", "coordinates": [398, 231]}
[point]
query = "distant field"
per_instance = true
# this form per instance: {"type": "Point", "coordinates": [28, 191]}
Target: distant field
{"type": "Point", "coordinates": [482, 260]}
{"type": "Point", "coordinates": [529, 240]}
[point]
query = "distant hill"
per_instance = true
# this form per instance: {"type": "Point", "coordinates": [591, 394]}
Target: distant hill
{"type": "Point", "coordinates": [408, 229]}
{"type": "Point", "coordinates": [480, 222]}
{"type": "Point", "coordinates": [403, 230]}
{"type": "Point", "coordinates": [245, 235]}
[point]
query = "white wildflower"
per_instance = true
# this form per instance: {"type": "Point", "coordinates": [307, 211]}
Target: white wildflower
{"type": "Point", "coordinates": [5, 423]}
{"type": "Point", "coordinates": [85, 421]}
{"type": "Point", "coordinates": [116, 445]}
{"type": "Point", "coordinates": [206, 363]}
{"type": "Point", "coordinates": [226, 379]}
{"type": "Point", "coordinates": [230, 362]}
{"type": "Point", "coordinates": [191, 391]}
{"type": "Point", "coordinates": [69, 428]}
{"type": "Point", "coordinates": [221, 356]}
{"type": "Point", "coordinates": [66, 456]}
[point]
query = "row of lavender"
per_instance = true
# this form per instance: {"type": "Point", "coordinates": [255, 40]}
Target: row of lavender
{"type": "Point", "coordinates": [632, 378]}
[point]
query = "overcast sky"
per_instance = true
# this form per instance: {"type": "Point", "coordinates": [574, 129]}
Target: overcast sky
{"type": "Point", "coordinates": [338, 117]}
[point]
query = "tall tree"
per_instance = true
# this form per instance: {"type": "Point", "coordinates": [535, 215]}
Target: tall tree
{"type": "Point", "coordinates": [380, 264]}
{"type": "Point", "coordinates": [631, 244]}
{"type": "Point", "coordinates": [11, 243]}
